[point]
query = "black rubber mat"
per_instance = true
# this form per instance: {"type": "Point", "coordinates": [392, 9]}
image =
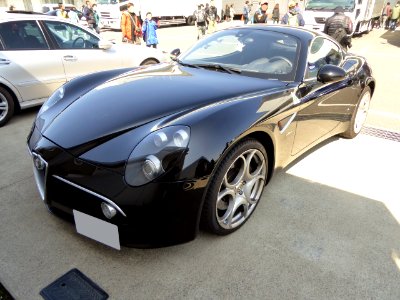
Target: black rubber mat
{"type": "Point", "coordinates": [73, 285]}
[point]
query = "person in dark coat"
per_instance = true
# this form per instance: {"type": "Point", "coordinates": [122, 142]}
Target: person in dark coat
{"type": "Point", "coordinates": [275, 14]}
{"type": "Point", "coordinates": [261, 15]}
{"type": "Point", "coordinates": [339, 26]}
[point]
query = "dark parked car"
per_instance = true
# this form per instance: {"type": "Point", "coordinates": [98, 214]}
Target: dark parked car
{"type": "Point", "coordinates": [145, 157]}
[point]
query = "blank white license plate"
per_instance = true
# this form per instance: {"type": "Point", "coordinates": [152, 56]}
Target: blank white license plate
{"type": "Point", "coordinates": [97, 229]}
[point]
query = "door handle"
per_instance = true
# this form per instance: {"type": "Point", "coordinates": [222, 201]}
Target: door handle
{"type": "Point", "coordinates": [70, 58]}
{"type": "Point", "coordinates": [4, 61]}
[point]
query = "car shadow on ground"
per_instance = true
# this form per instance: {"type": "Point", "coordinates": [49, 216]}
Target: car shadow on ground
{"type": "Point", "coordinates": [305, 240]}
{"type": "Point", "coordinates": [392, 37]}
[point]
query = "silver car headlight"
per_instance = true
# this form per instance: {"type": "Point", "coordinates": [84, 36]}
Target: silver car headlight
{"type": "Point", "coordinates": [156, 154]}
{"type": "Point", "coordinates": [54, 98]}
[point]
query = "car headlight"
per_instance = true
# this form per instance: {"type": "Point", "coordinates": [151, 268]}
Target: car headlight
{"type": "Point", "coordinates": [54, 98]}
{"type": "Point", "coordinates": [156, 154]}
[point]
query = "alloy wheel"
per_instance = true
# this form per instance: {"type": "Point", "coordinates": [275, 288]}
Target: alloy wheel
{"type": "Point", "coordinates": [362, 112]}
{"type": "Point", "coordinates": [3, 107]}
{"type": "Point", "coordinates": [241, 189]}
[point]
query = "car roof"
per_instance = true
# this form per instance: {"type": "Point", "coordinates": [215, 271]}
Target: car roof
{"type": "Point", "coordinates": [5, 17]}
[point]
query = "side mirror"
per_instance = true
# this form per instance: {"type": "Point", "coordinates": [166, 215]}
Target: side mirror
{"type": "Point", "coordinates": [330, 73]}
{"type": "Point", "coordinates": [105, 45]}
{"type": "Point", "coordinates": [175, 53]}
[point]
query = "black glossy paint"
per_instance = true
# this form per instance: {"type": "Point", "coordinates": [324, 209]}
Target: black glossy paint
{"type": "Point", "coordinates": [117, 109]}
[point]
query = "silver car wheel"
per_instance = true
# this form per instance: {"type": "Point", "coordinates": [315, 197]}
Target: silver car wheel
{"type": "Point", "coordinates": [362, 112]}
{"type": "Point", "coordinates": [3, 107]}
{"type": "Point", "coordinates": [241, 189]}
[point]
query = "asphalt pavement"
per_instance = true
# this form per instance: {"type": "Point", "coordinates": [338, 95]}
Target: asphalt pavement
{"type": "Point", "coordinates": [327, 227]}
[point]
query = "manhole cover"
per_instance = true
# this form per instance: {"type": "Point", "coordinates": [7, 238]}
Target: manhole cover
{"type": "Point", "coordinates": [73, 285]}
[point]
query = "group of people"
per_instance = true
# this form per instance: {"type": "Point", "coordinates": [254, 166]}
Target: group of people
{"type": "Point", "coordinates": [390, 16]}
{"type": "Point", "coordinates": [206, 18]}
{"type": "Point", "coordinates": [131, 26]}
{"type": "Point", "coordinates": [339, 26]}
{"type": "Point", "coordinates": [88, 11]}
{"type": "Point", "coordinates": [292, 17]}
{"type": "Point", "coordinates": [133, 31]}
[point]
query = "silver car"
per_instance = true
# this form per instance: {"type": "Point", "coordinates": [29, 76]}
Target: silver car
{"type": "Point", "coordinates": [39, 53]}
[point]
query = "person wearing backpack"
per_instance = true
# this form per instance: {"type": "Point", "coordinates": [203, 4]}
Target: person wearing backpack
{"type": "Point", "coordinates": [130, 26]}
{"type": "Point", "coordinates": [246, 12]}
{"type": "Point", "coordinates": [200, 17]}
{"type": "Point", "coordinates": [339, 26]}
{"type": "Point", "coordinates": [212, 17]}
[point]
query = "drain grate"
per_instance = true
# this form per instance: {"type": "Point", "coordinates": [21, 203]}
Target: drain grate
{"type": "Point", "coordinates": [73, 285]}
{"type": "Point", "coordinates": [381, 133]}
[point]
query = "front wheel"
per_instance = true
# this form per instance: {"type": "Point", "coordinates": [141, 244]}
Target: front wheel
{"type": "Point", "coordinates": [6, 106]}
{"type": "Point", "coordinates": [235, 188]}
{"type": "Point", "coordinates": [359, 115]}
{"type": "Point", "coordinates": [149, 61]}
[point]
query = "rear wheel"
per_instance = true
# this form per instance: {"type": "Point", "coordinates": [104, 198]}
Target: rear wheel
{"type": "Point", "coordinates": [6, 106]}
{"type": "Point", "coordinates": [359, 115]}
{"type": "Point", "coordinates": [236, 188]}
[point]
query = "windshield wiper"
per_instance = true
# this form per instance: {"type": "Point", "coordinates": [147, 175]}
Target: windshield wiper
{"type": "Point", "coordinates": [317, 8]}
{"type": "Point", "coordinates": [186, 64]}
{"type": "Point", "coordinates": [226, 69]}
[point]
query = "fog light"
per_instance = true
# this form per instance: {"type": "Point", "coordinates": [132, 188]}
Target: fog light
{"type": "Point", "coordinates": [39, 164]}
{"type": "Point", "coordinates": [108, 210]}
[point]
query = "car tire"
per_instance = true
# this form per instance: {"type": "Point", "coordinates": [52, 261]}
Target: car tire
{"type": "Point", "coordinates": [6, 106]}
{"type": "Point", "coordinates": [235, 188]}
{"type": "Point", "coordinates": [359, 115]}
{"type": "Point", "coordinates": [149, 61]}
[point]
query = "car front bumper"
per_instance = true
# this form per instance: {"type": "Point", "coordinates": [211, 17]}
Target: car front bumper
{"type": "Point", "coordinates": [154, 215]}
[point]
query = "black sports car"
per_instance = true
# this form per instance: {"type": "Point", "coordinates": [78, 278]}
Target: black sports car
{"type": "Point", "coordinates": [143, 157]}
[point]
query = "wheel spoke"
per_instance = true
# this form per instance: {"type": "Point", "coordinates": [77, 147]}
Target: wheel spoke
{"type": "Point", "coordinates": [221, 195]}
{"type": "Point", "coordinates": [232, 218]}
{"type": "Point", "coordinates": [237, 178]}
{"type": "Point", "coordinates": [252, 189]}
{"type": "Point", "coordinates": [362, 112]}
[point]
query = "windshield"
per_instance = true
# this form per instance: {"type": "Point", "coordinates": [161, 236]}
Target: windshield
{"type": "Point", "coordinates": [247, 51]}
{"type": "Point", "coordinates": [348, 5]}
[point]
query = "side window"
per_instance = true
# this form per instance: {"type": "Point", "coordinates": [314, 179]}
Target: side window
{"type": "Point", "coordinates": [22, 35]}
{"type": "Point", "coordinates": [322, 52]}
{"type": "Point", "coordinates": [68, 36]}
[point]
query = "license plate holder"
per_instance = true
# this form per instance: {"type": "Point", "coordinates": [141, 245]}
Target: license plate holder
{"type": "Point", "coordinates": [97, 229]}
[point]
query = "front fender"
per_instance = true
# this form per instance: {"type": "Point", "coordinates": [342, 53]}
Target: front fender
{"type": "Point", "coordinates": [73, 90]}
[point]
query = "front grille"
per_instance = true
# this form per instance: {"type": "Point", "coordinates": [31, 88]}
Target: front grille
{"type": "Point", "coordinates": [381, 133]}
{"type": "Point", "coordinates": [105, 15]}
{"type": "Point", "coordinates": [320, 20]}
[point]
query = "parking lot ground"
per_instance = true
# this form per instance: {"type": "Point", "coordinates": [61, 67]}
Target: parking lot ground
{"type": "Point", "coordinates": [327, 227]}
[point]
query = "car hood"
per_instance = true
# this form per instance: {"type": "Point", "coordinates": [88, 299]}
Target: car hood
{"type": "Point", "coordinates": [144, 95]}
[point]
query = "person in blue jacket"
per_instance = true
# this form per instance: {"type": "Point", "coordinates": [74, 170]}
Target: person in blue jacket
{"type": "Point", "coordinates": [149, 31]}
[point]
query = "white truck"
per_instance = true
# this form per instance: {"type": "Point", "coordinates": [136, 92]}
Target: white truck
{"type": "Point", "coordinates": [361, 12]}
{"type": "Point", "coordinates": [166, 12]}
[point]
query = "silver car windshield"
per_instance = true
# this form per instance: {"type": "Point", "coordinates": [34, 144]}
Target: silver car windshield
{"type": "Point", "coordinates": [249, 52]}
